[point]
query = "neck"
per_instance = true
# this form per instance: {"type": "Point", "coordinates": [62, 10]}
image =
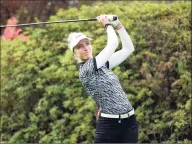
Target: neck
{"type": "Point", "coordinates": [79, 60]}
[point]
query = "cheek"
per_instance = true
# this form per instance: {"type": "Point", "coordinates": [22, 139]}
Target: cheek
{"type": "Point", "coordinates": [79, 53]}
{"type": "Point", "coordinates": [90, 48]}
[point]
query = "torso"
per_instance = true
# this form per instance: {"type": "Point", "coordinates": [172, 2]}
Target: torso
{"type": "Point", "coordinates": [104, 87]}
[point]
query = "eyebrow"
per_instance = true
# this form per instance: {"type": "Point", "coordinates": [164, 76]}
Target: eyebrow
{"type": "Point", "coordinates": [82, 44]}
{"type": "Point", "coordinates": [79, 45]}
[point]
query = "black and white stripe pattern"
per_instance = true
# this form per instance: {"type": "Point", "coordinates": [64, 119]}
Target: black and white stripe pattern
{"type": "Point", "coordinates": [104, 87]}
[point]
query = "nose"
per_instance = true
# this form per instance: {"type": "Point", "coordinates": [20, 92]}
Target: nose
{"type": "Point", "coordinates": [86, 48]}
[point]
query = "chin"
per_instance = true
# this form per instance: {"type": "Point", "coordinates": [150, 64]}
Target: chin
{"type": "Point", "coordinates": [87, 58]}
{"type": "Point", "coordinates": [90, 57]}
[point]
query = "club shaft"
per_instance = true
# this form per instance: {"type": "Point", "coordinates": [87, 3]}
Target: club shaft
{"type": "Point", "coordinates": [62, 21]}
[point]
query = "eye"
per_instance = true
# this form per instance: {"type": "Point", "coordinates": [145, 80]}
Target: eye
{"type": "Point", "coordinates": [88, 42]}
{"type": "Point", "coordinates": [78, 47]}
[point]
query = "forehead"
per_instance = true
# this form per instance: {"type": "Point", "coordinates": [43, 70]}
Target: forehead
{"type": "Point", "coordinates": [82, 41]}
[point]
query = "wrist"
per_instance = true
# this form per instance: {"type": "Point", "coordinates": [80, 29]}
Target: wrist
{"type": "Point", "coordinates": [119, 26]}
{"type": "Point", "coordinates": [106, 25]}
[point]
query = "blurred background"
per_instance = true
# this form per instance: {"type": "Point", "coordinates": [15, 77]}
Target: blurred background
{"type": "Point", "coordinates": [27, 10]}
{"type": "Point", "coordinates": [42, 99]}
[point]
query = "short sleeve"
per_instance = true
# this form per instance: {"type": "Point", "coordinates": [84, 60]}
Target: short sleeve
{"type": "Point", "coordinates": [89, 68]}
{"type": "Point", "coordinates": [107, 64]}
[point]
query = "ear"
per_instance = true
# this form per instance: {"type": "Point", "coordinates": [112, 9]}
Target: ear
{"type": "Point", "coordinates": [74, 54]}
{"type": "Point", "coordinates": [76, 57]}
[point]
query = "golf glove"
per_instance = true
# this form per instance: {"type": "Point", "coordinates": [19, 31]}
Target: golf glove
{"type": "Point", "coordinates": [103, 19]}
{"type": "Point", "coordinates": [116, 23]}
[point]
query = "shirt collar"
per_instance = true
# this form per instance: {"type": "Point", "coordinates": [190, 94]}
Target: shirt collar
{"type": "Point", "coordinates": [79, 64]}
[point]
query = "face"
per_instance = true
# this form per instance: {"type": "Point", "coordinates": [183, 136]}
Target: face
{"type": "Point", "coordinates": [83, 50]}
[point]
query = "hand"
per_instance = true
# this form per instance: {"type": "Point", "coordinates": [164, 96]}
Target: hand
{"type": "Point", "coordinates": [116, 23]}
{"type": "Point", "coordinates": [103, 19]}
{"type": "Point", "coordinates": [97, 112]}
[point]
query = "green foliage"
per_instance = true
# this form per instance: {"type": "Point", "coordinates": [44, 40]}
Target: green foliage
{"type": "Point", "coordinates": [43, 100]}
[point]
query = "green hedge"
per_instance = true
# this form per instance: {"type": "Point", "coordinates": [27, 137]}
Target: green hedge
{"type": "Point", "coordinates": [43, 101]}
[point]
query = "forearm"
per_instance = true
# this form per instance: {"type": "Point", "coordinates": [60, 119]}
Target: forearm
{"type": "Point", "coordinates": [127, 45]}
{"type": "Point", "coordinates": [107, 52]}
{"type": "Point", "coordinates": [127, 48]}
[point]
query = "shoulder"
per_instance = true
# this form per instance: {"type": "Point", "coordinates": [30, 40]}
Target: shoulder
{"type": "Point", "coordinates": [87, 68]}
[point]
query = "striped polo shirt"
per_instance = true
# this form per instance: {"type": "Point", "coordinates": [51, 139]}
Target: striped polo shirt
{"type": "Point", "coordinates": [104, 87]}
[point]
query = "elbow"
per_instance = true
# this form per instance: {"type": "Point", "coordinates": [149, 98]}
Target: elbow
{"type": "Point", "coordinates": [128, 50]}
{"type": "Point", "coordinates": [131, 48]}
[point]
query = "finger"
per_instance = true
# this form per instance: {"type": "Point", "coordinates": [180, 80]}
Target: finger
{"type": "Point", "coordinates": [98, 18]}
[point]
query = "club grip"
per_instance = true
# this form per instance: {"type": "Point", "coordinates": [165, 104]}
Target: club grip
{"type": "Point", "coordinates": [114, 17]}
{"type": "Point", "coordinates": [92, 19]}
{"type": "Point", "coordinates": [110, 17]}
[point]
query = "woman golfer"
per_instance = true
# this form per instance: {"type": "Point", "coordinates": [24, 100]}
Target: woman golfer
{"type": "Point", "coordinates": [116, 120]}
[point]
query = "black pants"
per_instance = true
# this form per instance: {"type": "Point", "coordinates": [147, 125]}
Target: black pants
{"type": "Point", "coordinates": [109, 130]}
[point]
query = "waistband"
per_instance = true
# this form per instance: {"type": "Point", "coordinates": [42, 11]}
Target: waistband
{"type": "Point", "coordinates": [119, 116]}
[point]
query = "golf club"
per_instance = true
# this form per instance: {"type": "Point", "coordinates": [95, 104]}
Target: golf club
{"type": "Point", "coordinates": [51, 22]}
